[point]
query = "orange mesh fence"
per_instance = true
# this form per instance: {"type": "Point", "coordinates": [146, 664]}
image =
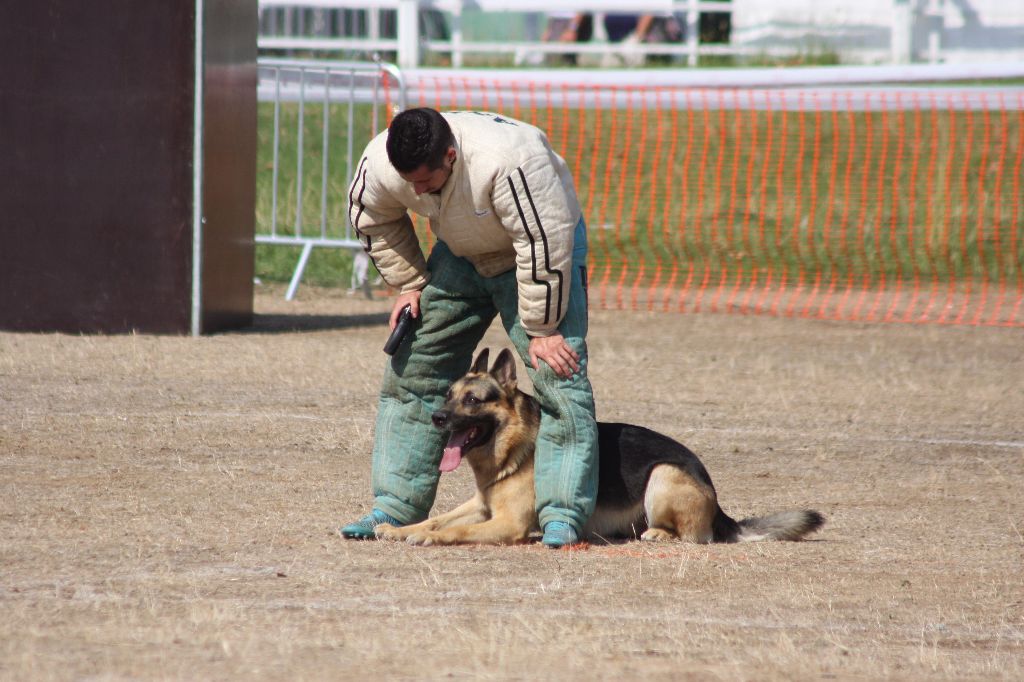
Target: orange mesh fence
{"type": "Point", "coordinates": [882, 204]}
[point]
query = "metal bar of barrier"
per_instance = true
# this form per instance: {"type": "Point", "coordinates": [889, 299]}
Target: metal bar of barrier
{"type": "Point", "coordinates": [277, 148]}
{"type": "Point", "coordinates": [299, 151]}
{"type": "Point", "coordinates": [324, 152]}
{"type": "Point", "coordinates": [307, 248]}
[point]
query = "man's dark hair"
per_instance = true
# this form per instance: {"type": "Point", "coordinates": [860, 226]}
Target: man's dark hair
{"type": "Point", "coordinates": [418, 137]}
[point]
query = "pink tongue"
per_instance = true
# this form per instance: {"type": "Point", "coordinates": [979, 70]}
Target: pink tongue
{"type": "Point", "coordinates": [453, 451]}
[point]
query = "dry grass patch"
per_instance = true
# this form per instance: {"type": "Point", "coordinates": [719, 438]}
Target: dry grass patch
{"type": "Point", "coordinates": [171, 506]}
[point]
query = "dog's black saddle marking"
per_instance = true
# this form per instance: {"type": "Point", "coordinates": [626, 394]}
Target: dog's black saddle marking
{"type": "Point", "coordinates": [628, 455]}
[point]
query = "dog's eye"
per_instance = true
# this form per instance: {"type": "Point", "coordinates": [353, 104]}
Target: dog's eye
{"type": "Point", "coordinates": [470, 400]}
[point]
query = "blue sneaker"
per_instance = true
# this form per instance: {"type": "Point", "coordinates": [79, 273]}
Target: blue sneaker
{"type": "Point", "coordinates": [363, 528]}
{"type": "Point", "coordinates": [559, 534]}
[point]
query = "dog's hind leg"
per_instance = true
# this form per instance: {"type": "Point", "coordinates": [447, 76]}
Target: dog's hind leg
{"type": "Point", "coordinates": [678, 507]}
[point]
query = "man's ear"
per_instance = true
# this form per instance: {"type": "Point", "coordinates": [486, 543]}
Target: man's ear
{"type": "Point", "coordinates": [504, 369]}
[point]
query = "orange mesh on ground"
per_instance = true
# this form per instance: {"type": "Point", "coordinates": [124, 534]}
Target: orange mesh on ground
{"type": "Point", "coordinates": [898, 205]}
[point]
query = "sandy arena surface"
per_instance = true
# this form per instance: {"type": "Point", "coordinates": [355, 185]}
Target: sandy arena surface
{"type": "Point", "coordinates": [171, 505]}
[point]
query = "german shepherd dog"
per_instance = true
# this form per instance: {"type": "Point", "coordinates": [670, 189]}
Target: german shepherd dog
{"type": "Point", "coordinates": [649, 483]}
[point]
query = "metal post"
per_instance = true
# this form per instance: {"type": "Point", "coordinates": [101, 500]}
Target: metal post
{"type": "Point", "coordinates": [196, 322]}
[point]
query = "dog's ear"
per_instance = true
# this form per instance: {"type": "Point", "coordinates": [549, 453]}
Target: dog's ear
{"type": "Point", "coordinates": [504, 369]}
{"type": "Point", "coordinates": [480, 364]}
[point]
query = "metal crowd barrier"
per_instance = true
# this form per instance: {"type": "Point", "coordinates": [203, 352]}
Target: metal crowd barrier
{"type": "Point", "coordinates": [354, 95]}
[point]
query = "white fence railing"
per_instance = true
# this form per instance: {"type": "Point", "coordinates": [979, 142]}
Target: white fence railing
{"type": "Point", "coordinates": [312, 25]}
{"type": "Point", "coordinates": [329, 91]}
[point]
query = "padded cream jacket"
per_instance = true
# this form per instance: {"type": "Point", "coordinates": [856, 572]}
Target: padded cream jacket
{"type": "Point", "coordinates": [510, 203]}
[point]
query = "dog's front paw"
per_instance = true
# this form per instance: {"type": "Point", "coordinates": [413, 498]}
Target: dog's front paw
{"type": "Point", "coordinates": [385, 531]}
{"type": "Point", "coordinates": [427, 538]}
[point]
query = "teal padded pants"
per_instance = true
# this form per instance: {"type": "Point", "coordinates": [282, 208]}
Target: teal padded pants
{"type": "Point", "coordinates": [456, 308]}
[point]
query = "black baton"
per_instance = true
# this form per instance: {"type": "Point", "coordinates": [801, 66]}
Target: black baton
{"type": "Point", "coordinates": [400, 330]}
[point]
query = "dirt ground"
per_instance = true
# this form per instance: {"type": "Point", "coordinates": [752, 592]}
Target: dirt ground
{"type": "Point", "coordinates": [171, 505]}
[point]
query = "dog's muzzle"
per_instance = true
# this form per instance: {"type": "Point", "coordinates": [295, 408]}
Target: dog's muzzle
{"type": "Point", "coordinates": [440, 419]}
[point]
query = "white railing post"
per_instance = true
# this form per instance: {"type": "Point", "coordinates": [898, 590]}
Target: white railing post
{"type": "Point", "coordinates": [692, 31]}
{"type": "Point", "coordinates": [373, 23]}
{"type": "Point", "coordinates": [936, 17]}
{"type": "Point", "coordinates": [902, 31]}
{"type": "Point", "coordinates": [456, 30]}
{"type": "Point", "coordinates": [408, 34]}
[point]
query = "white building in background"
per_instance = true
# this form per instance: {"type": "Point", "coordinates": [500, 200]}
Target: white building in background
{"type": "Point", "coordinates": [882, 31]}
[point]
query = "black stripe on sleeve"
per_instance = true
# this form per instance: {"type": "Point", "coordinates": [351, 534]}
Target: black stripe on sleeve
{"type": "Point", "coordinates": [557, 275]}
{"type": "Point", "coordinates": [358, 200]}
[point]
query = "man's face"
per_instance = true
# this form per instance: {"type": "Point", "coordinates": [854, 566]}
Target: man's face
{"type": "Point", "coordinates": [424, 180]}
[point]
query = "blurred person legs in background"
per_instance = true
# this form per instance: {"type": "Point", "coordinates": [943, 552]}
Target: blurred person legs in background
{"type": "Point", "coordinates": [635, 29]}
{"type": "Point", "coordinates": [567, 27]}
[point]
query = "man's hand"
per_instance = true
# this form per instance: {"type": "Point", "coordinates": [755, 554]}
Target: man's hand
{"type": "Point", "coordinates": [556, 353]}
{"type": "Point", "coordinates": [411, 298]}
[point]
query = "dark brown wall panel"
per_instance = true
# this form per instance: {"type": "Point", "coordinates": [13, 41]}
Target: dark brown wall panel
{"type": "Point", "coordinates": [96, 146]}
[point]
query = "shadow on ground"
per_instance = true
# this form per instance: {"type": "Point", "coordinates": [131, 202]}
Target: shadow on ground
{"type": "Point", "coordinates": [278, 323]}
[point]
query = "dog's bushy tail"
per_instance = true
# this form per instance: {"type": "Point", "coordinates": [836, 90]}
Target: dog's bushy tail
{"type": "Point", "coordinates": [787, 525]}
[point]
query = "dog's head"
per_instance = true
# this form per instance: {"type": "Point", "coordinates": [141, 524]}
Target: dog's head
{"type": "Point", "coordinates": [475, 407]}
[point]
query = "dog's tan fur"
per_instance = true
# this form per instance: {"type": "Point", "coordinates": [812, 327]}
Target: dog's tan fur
{"type": "Point", "coordinates": [678, 501]}
{"type": "Point", "coordinates": [678, 507]}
